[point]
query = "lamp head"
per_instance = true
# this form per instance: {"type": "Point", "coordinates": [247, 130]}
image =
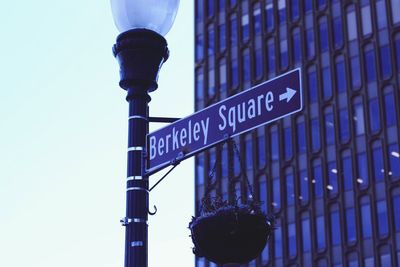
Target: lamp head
{"type": "Point", "coordinates": [155, 15]}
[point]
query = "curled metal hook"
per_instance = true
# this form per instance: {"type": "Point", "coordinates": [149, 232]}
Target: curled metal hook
{"type": "Point", "coordinates": [153, 213]}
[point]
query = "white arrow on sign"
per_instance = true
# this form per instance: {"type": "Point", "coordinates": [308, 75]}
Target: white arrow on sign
{"type": "Point", "coordinates": [288, 95]}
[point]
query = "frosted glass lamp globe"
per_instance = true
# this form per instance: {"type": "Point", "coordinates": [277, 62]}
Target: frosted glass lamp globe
{"type": "Point", "coordinates": [155, 15]}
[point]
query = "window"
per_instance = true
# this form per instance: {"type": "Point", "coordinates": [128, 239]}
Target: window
{"type": "Point", "coordinates": [258, 58]}
{"type": "Point", "coordinates": [381, 14]}
{"type": "Point", "coordinates": [336, 228]}
{"type": "Point", "coordinates": [274, 143]}
{"type": "Point", "coordinates": [199, 11]}
{"type": "Point", "coordinates": [351, 23]}
{"type": "Point", "coordinates": [232, 3]}
{"type": "Point", "coordinates": [271, 56]}
{"type": "Point", "coordinates": [370, 66]}
{"type": "Point", "coordinates": [222, 78]}
{"type": "Point", "coordinates": [398, 51]}
{"type": "Point", "coordinates": [395, 11]}
{"type": "Point", "coordinates": [355, 72]}
{"type": "Point", "coordinates": [358, 116]}
{"type": "Point", "coordinates": [276, 187]}
{"type": "Point", "coordinates": [282, 11]}
{"type": "Point", "coordinates": [304, 181]}
{"type": "Point", "coordinates": [312, 85]}
{"type": "Point", "coordinates": [199, 48]}
{"type": "Point", "coordinates": [382, 218]}
{"type": "Point", "coordinates": [362, 178]}
{"type": "Point", "coordinates": [386, 61]}
{"type": "Point", "coordinates": [269, 15]}
{"type": "Point", "coordinates": [284, 52]}
{"type": "Point", "coordinates": [347, 170]}
{"type": "Point", "coordinates": [308, 5]}
{"type": "Point", "coordinates": [246, 69]}
{"type": "Point", "coordinates": [384, 255]}
{"type": "Point", "coordinates": [323, 35]}
{"type": "Point", "coordinates": [221, 6]}
{"type": "Point", "coordinates": [329, 127]}
{"type": "Point", "coordinates": [234, 34]}
{"type": "Point", "coordinates": [249, 152]}
{"type": "Point", "coordinates": [366, 20]}
{"type": "Point", "coordinates": [278, 242]}
{"type": "Point", "coordinates": [394, 161]}
{"type": "Point", "coordinates": [317, 179]}
{"type": "Point", "coordinates": [245, 23]}
{"type": "Point", "coordinates": [344, 126]}
{"type": "Point", "coordinates": [200, 169]}
{"type": "Point", "coordinates": [292, 242]}
{"type": "Point", "coordinates": [261, 151]}
{"type": "Point", "coordinates": [211, 82]}
{"type": "Point", "coordinates": [210, 8]}
{"type": "Point", "coordinates": [379, 170]}
{"type": "Point", "coordinates": [263, 197]}
{"type": "Point", "coordinates": [296, 46]}
{"type": "Point", "coordinates": [257, 19]}
{"type": "Point", "coordinates": [351, 226]}
{"type": "Point", "coordinates": [315, 131]}
{"type": "Point", "coordinates": [306, 232]}
{"type": "Point", "coordinates": [321, 233]}
{"type": "Point", "coordinates": [366, 218]}
{"type": "Point", "coordinates": [234, 73]}
{"type": "Point", "coordinates": [199, 84]}
{"type": "Point", "coordinates": [301, 137]}
{"type": "Point", "coordinates": [295, 14]}
{"type": "Point", "coordinates": [222, 37]}
{"type": "Point", "coordinates": [288, 143]}
{"type": "Point", "coordinates": [310, 43]}
{"type": "Point", "coordinates": [289, 187]}
{"type": "Point", "coordinates": [340, 75]}
{"type": "Point", "coordinates": [396, 211]}
{"type": "Point", "coordinates": [333, 180]}
{"type": "Point", "coordinates": [211, 40]}
{"type": "Point", "coordinates": [200, 262]}
{"type": "Point", "coordinates": [374, 115]}
{"type": "Point", "coordinates": [338, 32]}
{"type": "Point", "coordinates": [224, 163]}
{"type": "Point", "coordinates": [390, 110]}
{"type": "Point", "coordinates": [327, 83]}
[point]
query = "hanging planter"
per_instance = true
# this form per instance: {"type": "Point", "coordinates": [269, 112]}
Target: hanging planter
{"type": "Point", "coordinates": [231, 233]}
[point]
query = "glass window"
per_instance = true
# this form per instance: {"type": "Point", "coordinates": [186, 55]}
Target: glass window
{"type": "Point", "coordinates": [245, 27]}
{"type": "Point", "coordinates": [263, 197]}
{"type": "Point", "coordinates": [222, 78]}
{"type": "Point", "coordinates": [246, 66]}
{"type": "Point", "coordinates": [200, 169]}
{"type": "Point", "coordinates": [381, 15]}
{"type": "Point", "coordinates": [323, 35]}
{"type": "Point", "coordinates": [199, 47]}
{"type": "Point", "coordinates": [284, 53]}
{"type": "Point", "coordinates": [317, 179]}
{"type": "Point", "coordinates": [271, 56]}
{"type": "Point", "coordinates": [347, 170]}
{"type": "Point", "coordinates": [310, 43]}
{"type": "Point", "coordinates": [366, 219]}
{"type": "Point", "coordinates": [211, 83]}
{"type": "Point", "coordinates": [366, 20]}
{"type": "Point", "coordinates": [304, 181]}
{"type": "Point", "coordinates": [340, 75]}
{"type": "Point", "coordinates": [308, 5]}
{"type": "Point", "coordinates": [288, 143]}
{"type": "Point", "coordinates": [338, 32]}
{"type": "Point", "coordinates": [327, 83]}
{"type": "Point", "coordinates": [395, 4]}
{"type": "Point", "coordinates": [200, 262]}
{"type": "Point", "coordinates": [258, 58]}
{"type": "Point", "coordinates": [233, 3]}
{"type": "Point", "coordinates": [363, 177]}
{"type": "Point", "coordinates": [336, 228]}
{"type": "Point", "coordinates": [315, 131]}
{"type": "Point", "coordinates": [269, 15]}
{"type": "Point", "coordinates": [234, 73]}
{"type": "Point", "coordinates": [234, 34]}
{"type": "Point", "coordinates": [199, 84]}
{"type": "Point", "coordinates": [257, 19]}
{"type": "Point", "coordinates": [394, 161]}
{"type": "Point", "coordinates": [386, 61]}
{"type": "Point", "coordinates": [344, 126]}
{"type": "Point", "coordinates": [321, 4]}
{"type": "Point", "coordinates": [355, 72]}
{"type": "Point", "coordinates": [351, 226]}
{"type": "Point", "coordinates": [381, 209]}
{"type": "Point", "coordinates": [224, 162]}
{"type": "Point", "coordinates": [295, 10]}
{"type": "Point", "coordinates": [384, 254]}
{"type": "Point", "coordinates": [199, 11]}
{"type": "Point", "coordinates": [292, 242]}
{"type": "Point", "coordinates": [211, 40]}
{"type": "Point", "coordinates": [396, 212]}
{"type": "Point", "coordinates": [261, 151]}
{"type": "Point", "coordinates": [390, 110]}
{"type": "Point", "coordinates": [359, 117]}
{"type": "Point", "coordinates": [221, 5]}
{"type": "Point", "coordinates": [278, 242]}
{"type": "Point", "coordinates": [329, 127]}
{"type": "Point", "coordinates": [276, 187]}
{"type": "Point", "coordinates": [289, 187]}
{"type": "Point", "coordinates": [274, 144]}
{"type": "Point", "coordinates": [306, 232]}
{"type": "Point", "coordinates": [379, 169]}
{"type": "Point", "coordinates": [370, 66]}
{"type": "Point", "coordinates": [333, 180]}
{"type": "Point", "coordinates": [301, 137]}
{"type": "Point", "coordinates": [249, 152]}
{"type": "Point", "coordinates": [296, 46]}
{"type": "Point", "coordinates": [398, 51]}
{"type": "Point", "coordinates": [312, 85]}
{"type": "Point", "coordinates": [210, 8]}
{"type": "Point", "coordinates": [265, 254]}
{"type": "Point", "coordinates": [222, 37]}
{"type": "Point", "coordinates": [321, 233]}
{"type": "Point", "coordinates": [351, 23]}
{"type": "Point", "coordinates": [282, 11]}
{"type": "Point", "coordinates": [374, 116]}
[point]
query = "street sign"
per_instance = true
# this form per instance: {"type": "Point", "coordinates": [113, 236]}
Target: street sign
{"type": "Point", "coordinates": [262, 104]}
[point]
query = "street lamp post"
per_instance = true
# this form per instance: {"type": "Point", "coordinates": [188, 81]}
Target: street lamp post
{"type": "Point", "coordinates": [140, 50]}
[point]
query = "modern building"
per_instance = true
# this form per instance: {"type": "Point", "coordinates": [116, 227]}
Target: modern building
{"type": "Point", "coordinates": [331, 173]}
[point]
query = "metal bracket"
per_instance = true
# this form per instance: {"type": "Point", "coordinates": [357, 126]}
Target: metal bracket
{"type": "Point", "coordinates": [163, 120]}
{"type": "Point", "coordinates": [126, 221]}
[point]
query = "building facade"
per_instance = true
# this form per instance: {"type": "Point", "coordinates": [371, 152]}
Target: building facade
{"type": "Point", "coordinates": [330, 173]}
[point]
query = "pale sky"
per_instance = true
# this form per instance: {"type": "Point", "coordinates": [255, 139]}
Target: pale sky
{"type": "Point", "coordinates": [63, 137]}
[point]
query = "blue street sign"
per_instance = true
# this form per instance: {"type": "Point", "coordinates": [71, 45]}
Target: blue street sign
{"type": "Point", "coordinates": [262, 104]}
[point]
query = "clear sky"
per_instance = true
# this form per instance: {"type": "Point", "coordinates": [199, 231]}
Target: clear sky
{"type": "Point", "coordinates": [63, 137]}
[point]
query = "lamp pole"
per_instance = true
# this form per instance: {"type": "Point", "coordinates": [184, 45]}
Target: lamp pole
{"type": "Point", "coordinates": [140, 50]}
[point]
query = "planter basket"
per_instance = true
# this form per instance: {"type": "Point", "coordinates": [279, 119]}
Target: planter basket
{"type": "Point", "coordinates": [231, 234]}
